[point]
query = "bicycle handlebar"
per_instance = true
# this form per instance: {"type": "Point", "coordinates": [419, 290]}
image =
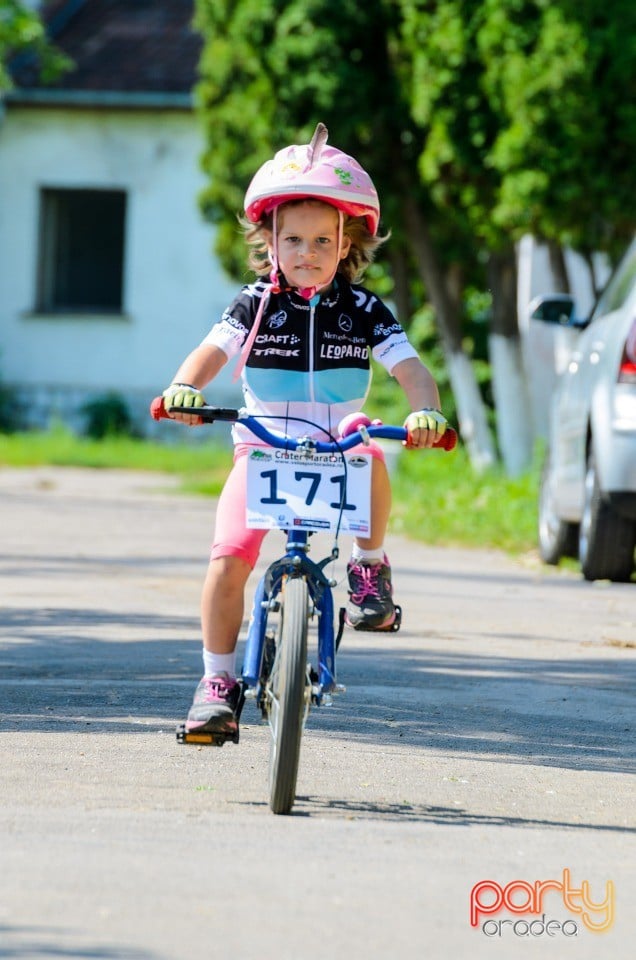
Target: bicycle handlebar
{"type": "Point", "coordinates": [208, 413]}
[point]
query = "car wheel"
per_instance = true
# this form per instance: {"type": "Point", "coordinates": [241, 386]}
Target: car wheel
{"type": "Point", "coordinates": [606, 539]}
{"type": "Point", "coordinates": [557, 538]}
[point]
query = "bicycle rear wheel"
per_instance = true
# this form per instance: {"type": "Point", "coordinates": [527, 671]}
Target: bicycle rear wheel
{"type": "Point", "coordinates": [286, 696]}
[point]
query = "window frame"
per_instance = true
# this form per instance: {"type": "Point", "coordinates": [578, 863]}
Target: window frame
{"type": "Point", "coordinates": [70, 219]}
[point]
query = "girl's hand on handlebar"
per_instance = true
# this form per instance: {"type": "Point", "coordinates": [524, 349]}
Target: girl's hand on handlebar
{"type": "Point", "coordinates": [425, 428]}
{"type": "Point", "coordinates": [187, 398]}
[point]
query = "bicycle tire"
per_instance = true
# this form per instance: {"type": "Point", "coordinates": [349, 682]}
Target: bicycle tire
{"type": "Point", "coordinates": [286, 696]}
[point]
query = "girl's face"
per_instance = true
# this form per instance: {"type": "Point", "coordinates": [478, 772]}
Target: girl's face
{"type": "Point", "coordinates": [308, 243]}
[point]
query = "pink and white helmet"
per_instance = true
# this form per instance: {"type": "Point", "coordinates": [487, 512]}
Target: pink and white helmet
{"type": "Point", "coordinates": [314, 171]}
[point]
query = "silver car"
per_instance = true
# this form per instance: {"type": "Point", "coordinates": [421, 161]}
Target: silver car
{"type": "Point", "coordinates": [587, 500]}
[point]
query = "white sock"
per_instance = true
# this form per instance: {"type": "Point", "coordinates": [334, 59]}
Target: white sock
{"type": "Point", "coordinates": [358, 555]}
{"type": "Point", "coordinates": [214, 664]}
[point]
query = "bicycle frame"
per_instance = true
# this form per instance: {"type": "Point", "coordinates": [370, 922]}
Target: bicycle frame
{"type": "Point", "coordinates": [293, 563]}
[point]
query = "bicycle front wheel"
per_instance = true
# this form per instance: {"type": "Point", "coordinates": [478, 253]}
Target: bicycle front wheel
{"type": "Point", "coordinates": [286, 696]}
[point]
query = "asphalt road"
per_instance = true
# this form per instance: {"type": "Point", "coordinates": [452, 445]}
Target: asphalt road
{"type": "Point", "coordinates": [492, 739]}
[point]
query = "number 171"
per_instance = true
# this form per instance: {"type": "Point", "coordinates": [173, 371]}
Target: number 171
{"type": "Point", "coordinates": [314, 483]}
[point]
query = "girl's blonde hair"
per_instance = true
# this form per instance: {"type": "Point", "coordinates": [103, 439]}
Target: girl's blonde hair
{"type": "Point", "coordinates": [361, 251]}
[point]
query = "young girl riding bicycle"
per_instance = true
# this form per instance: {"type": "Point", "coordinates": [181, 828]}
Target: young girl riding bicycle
{"type": "Point", "coordinates": [305, 332]}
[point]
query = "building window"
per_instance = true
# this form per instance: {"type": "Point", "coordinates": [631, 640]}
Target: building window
{"type": "Point", "coordinates": [81, 261]}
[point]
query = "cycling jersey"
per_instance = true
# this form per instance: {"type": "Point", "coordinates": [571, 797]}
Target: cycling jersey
{"type": "Point", "coordinates": [310, 359]}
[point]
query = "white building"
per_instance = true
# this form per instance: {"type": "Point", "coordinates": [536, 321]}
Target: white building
{"type": "Point", "coordinates": [107, 275]}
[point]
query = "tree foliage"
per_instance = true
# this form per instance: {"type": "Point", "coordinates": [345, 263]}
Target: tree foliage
{"type": "Point", "coordinates": [529, 111]}
{"type": "Point", "coordinates": [22, 33]}
{"type": "Point", "coordinates": [479, 120]}
{"type": "Point", "coordinates": [513, 116]}
{"type": "Point", "coordinates": [270, 72]}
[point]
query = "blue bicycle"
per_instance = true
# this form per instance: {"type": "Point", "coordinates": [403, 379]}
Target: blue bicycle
{"type": "Point", "coordinates": [293, 594]}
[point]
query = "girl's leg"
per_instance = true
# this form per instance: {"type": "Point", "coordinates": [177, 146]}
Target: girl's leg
{"type": "Point", "coordinates": [233, 555]}
{"type": "Point", "coordinates": [234, 552]}
{"type": "Point", "coordinates": [380, 506]}
{"type": "Point", "coordinates": [222, 603]}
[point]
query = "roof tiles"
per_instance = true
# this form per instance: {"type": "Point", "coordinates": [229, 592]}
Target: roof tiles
{"type": "Point", "coordinates": [136, 46]}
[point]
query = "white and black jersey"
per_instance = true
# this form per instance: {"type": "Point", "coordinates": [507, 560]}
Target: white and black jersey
{"type": "Point", "coordinates": [310, 359]}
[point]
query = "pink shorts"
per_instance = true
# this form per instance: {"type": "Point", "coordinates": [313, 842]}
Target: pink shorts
{"type": "Point", "coordinates": [231, 537]}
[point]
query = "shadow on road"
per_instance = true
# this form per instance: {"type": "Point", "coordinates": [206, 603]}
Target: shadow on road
{"type": "Point", "coordinates": [38, 943]}
{"type": "Point", "coordinates": [571, 713]}
{"type": "Point", "coordinates": [422, 813]}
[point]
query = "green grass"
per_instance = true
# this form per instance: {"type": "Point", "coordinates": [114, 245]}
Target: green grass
{"type": "Point", "coordinates": [202, 468]}
{"type": "Point", "coordinates": [437, 497]}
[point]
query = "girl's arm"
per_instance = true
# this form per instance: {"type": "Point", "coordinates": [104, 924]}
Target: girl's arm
{"type": "Point", "coordinates": [426, 424]}
{"type": "Point", "coordinates": [196, 371]}
{"type": "Point", "coordinates": [201, 366]}
{"type": "Point", "coordinates": [418, 384]}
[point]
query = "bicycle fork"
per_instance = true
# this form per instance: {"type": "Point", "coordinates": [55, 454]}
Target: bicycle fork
{"type": "Point", "coordinates": [256, 658]}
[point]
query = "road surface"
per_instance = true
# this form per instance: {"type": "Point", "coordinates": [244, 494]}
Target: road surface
{"type": "Point", "coordinates": [491, 739]}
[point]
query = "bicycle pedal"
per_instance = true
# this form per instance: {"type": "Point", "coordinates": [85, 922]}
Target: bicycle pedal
{"type": "Point", "coordinates": [206, 738]}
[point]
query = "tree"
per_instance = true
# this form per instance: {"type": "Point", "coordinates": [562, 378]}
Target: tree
{"type": "Point", "coordinates": [459, 124]}
{"type": "Point", "coordinates": [527, 110]}
{"type": "Point", "coordinates": [268, 74]}
{"type": "Point", "coordinates": [481, 120]}
{"type": "Point", "coordinates": [565, 88]}
{"type": "Point", "coordinates": [22, 33]}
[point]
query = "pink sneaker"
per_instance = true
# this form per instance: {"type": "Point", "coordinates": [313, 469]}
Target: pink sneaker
{"type": "Point", "coordinates": [214, 706]}
{"type": "Point", "coordinates": [371, 604]}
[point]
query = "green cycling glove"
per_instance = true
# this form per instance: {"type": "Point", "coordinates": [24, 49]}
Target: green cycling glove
{"type": "Point", "coordinates": [429, 419]}
{"type": "Point", "coordinates": [183, 395]}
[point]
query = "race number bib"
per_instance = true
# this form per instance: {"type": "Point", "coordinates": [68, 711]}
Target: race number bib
{"type": "Point", "coordinates": [289, 490]}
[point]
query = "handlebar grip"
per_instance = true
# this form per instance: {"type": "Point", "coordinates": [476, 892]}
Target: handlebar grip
{"type": "Point", "coordinates": [206, 414]}
{"type": "Point", "coordinates": [157, 409]}
{"type": "Point", "coordinates": [448, 441]}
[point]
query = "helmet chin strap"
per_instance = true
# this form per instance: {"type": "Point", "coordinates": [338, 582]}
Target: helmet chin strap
{"type": "Point", "coordinates": [274, 275]}
{"type": "Point", "coordinates": [307, 293]}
